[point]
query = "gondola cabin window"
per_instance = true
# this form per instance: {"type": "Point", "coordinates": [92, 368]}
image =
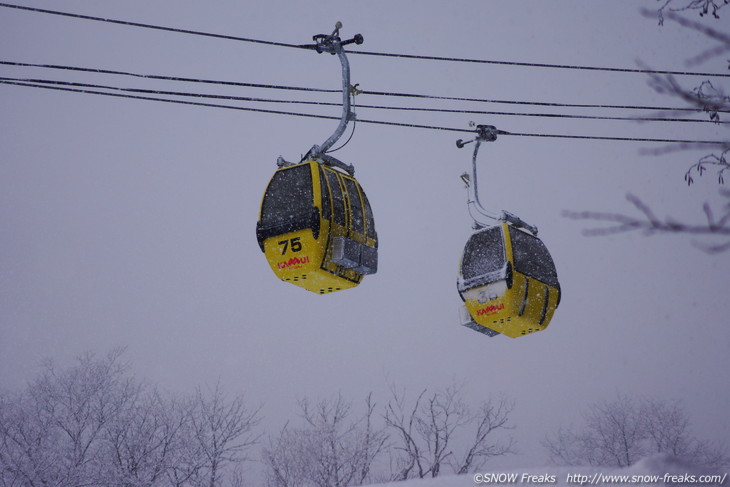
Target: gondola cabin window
{"type": "Point", "coordinates": [338, 202]}
{"type": "Point", "coordinates": [324, 190]}
{"type": "Point", "coordinates": [532, 258]}
{"type": "Point", "coordinates": [370, 219]}
{"type": "Point", "coordinates": [484, 254]}
{"type": "Point", "coordinates": [358, 224]}
{"type": "Point", "coordinates": [289, 194]}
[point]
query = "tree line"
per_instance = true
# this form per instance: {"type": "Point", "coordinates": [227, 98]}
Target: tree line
{"type": "Point", "coordinates": [621, 431]}
{"type": "Point", "coordinates": [94, 424]}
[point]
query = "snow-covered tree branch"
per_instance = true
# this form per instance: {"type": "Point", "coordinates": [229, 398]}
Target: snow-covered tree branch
{"type": "Point", "coordinates": [619, 432]}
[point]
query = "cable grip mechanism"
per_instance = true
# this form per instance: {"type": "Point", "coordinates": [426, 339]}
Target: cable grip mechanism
{"type": "Point", "coordinates": [485, 133]}
{"type": "Point", "coordinates": [331, 42]}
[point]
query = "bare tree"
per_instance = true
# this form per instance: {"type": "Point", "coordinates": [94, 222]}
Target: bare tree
{"type": "Point", "coordinates": [145, 441]}
{"type": "Point", "coordinates": [667, 429]}
{"type": "Point", "coordinates": [491, 416]}
{"type": "Point", "coordinates": [54, 432]}
{"type": "Point", "coordinates": [94, 424]}
{"type": "Point", "coordinates": [706, 98]}
{"type": "Point", "coordinates": [702, 6]}
{"type": "Point", "coordinates": [617, 433]}
{"type": "Point", "coordinates": [27, 443]}
{"type": "Point", "coordinates": [649, 223]}
{"type": "Point", "coordinates": [612, 435]}
{"type": "Point", "coordinates": [329, 450]}
{"type": "Point", "coordinates": [429, 430]}
{"type": "Point", "coordinates": [285, 459]}
{"type": "Point", "coordinates": [223, 432]}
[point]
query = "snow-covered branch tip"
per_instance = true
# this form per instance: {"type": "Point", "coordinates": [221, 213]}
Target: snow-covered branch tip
{"type": "Point", "coordinates": [704, 7]}
{"type": "Point", "coordinates": [707, 161]}
{"type": "Point", "coordinates": [648, 223]}
{"type": "Point", "coordinates": [703, 98]}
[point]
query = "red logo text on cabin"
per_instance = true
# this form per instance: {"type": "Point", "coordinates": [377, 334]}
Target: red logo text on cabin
{"type": "Point", "coordinates": [293, 263]}
{"type": "Point", "coordinates": [490, 310]}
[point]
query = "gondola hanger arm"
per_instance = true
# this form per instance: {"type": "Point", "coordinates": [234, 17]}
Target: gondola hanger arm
{"type": "Point", "coordinates": [332, 44]}
{"type": "Point", "coordinates": [480, 215]}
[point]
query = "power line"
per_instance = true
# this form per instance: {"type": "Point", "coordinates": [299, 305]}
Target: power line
{"type": "Point", "coordinates": [542, 65]}
{"type": "Point", "coordinates": [717, 143]}
{"type": "Point", "coordinates": [369, 53]}
{"type": "Point", "coordinates": [364, 92]}
{"type": "Point", "coordinates": [167, 78]}
{"type": "Point", "coordinates": [165, 100]}
{"type": "Point", "coordinates": [148, 26]}
{"type": "Point", "coordinates": [376, 107]}
{"type": "Point", "coordinates": [537, 103]}
{"type": "Point", "coordinates": [169, 93]}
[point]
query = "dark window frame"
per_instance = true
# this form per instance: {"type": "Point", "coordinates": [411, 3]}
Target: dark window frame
{"type": "Point", "coordinates": [357, 215]}
{"type": "Point", "coordinates": [325, 190]}
{"type": "Point", "coordinates": [487, 246]}
{"type": "Point", "coordinates": [339, 208]}
{"type": "Point", "coordinates": [369, 218]}
{"type": "Point", "coordinates": [532, 258]}
{"type": "Point", "coordinates": [289, 194]}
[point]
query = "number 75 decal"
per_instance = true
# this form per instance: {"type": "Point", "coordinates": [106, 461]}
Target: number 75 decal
{"type": "Point", "coordinates": [295, 246]}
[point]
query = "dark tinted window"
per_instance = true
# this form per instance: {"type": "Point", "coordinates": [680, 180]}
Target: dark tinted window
{"type": "Point", "coordinates": [325, 194]}
{"type": "Point", "coordinates": [368, 216]}
{"type": "Point", "coordinates": [484, 253]}
{"type": "Point", "coordinates": [358, 223]}
{"type": "Point", "coordinates": [338, 202]}
{"type": "Point", "coordinates": [289, 194]}
{"type": "Point", "coordinates": [532, 257]}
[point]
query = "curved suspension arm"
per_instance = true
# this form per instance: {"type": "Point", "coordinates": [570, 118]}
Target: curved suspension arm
{"type": "Point", "coordinates": [347, 114]}
{"type": "Point", "coordinates": [333, 45]}
{"type": "Point", "coordinates": [481, 216]}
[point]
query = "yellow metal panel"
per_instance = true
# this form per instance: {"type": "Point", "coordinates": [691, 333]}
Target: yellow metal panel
{"type": "Point", "coordinates": [300, 259]}
{"type": "Point", "coordinates": [498, 308]}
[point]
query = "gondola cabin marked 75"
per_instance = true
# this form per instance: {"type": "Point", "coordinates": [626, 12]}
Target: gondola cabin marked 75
{"type": "Point", "coordinates": [316, 228]}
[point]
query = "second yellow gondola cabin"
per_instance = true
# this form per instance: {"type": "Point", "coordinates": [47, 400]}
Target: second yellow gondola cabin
{"type": "Point", "coordinates": [508, 281]}
{"type": "Point", "coordinates": [316, 228]}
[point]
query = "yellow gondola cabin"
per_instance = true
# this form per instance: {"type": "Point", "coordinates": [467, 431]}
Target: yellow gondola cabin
{"type": "Point", "coordinates": [316, 228]}
{"type": "Point", "coordinates": [508, 282]}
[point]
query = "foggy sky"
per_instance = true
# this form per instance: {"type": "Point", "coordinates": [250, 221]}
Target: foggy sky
{"type": "Point", "coordinates": [132, 223]}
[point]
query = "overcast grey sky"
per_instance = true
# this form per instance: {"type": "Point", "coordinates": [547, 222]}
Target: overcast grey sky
{"type": "Point", "coordinates": [132, 223]}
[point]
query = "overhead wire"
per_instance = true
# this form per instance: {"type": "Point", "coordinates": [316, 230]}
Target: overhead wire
{"type": "Point", "coordinates": [538, 103]}
{"type": "Point", "coordinates": [166, 78]}
{"type": "Point", "coordinates": [364, 92]}
{"type": "Point", "coordinates": [543, 65]}
{"type": "Point", "coordinates": [377, 122]}
{"type": "Point", "coordinates": [166, 92]}
{"type": "Point", "coordinates": [43, 83]}
{"type": "Point", "coordinates": [368, 53]}
{"type": "Point", "coordinates": [148, 26]}
{"type": "Point", "coordinates": [365, 106]}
